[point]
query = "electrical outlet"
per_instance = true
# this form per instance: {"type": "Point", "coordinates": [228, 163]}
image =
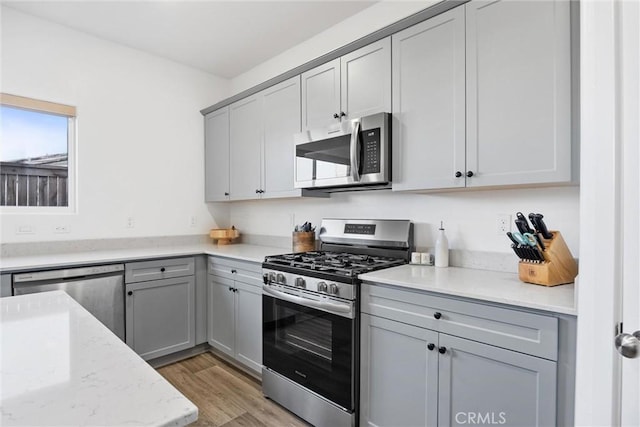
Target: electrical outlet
{"type": "Point", "coordinates": [131, 222]}
{"type": "Point", "coordinates": [24, 229]}
{"type": "Point", "coordinates": [193, 220]}
{"type": "Point", "coordinates": [503, 224]}
{"type": "Point", "coordinates": [61, 229]}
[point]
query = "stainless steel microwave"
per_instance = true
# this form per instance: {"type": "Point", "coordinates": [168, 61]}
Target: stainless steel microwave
{"type": "Point", "coordinates": [351, 154]}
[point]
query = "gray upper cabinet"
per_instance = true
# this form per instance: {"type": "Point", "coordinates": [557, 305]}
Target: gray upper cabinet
{"type": "Point", "coordinates": [321, 95]}
{"type": "Point", "coordinates": [365, 80]}
{"type": "Point", "coordinates": [216, 154]}
{"type": "Point", "coordinates": [255, 136]}
{"type": "Point", "coordinates": [429, 103]}
{"type": "Point", "coordinates": [482, 97]}
{"type": "Point", "coordinates": [354, 85]}
{"type": "Point", "coordinates": [245, 136]}
{"type": "Point", "coordinates": [282, 118]}
{"type": "Point", "coordinates": [518, 92]}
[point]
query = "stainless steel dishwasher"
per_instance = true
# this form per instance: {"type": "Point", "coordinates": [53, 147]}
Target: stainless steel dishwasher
{"type": "Point", "coordinates": [99, 289]}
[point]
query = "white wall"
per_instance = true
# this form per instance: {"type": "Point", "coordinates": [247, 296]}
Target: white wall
{"type": "Point", "coordinates": [353, 28]}
{"type": "Point", "coordinates": [470, 216]}
{"type": "Point", "coordinates": [140, 132]}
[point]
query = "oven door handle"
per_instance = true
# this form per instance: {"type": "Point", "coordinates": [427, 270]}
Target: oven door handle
{"type": "Point", "coordinates": [331, 307]}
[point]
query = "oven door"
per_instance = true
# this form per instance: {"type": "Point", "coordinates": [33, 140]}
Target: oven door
{"type": "Point", "coordinates": [312, 347]}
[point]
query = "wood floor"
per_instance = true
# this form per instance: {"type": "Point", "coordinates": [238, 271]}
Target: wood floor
{"type": "Point", "coordinates": [224, 395]}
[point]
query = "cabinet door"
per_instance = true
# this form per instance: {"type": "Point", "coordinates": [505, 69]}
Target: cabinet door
{"type": "Point", "coordinates": [221, 314]}
{"type": "Point", "coordinates": [321, 95]}
{"type": "Point", "coordinates": [366, 80]}
{"type": "Point", "coordinates": [248, 338]}
{"type": "Point", "coordinates": [282, 116]}
{"type": "Point", "coordinates": [429, 104]}
{"type": "Point", "coordinates": [160, 316]}
{"type": "Point", "coordinates": [245, 129]}
{"type": "Point", "coordinates": [482, 384]}
{"type": "Point", "coordinates": [518, 92]}
{"type": "Point", "coordinates": [216, 156]}
{"type": "Point", "coordinates": [399, 374]}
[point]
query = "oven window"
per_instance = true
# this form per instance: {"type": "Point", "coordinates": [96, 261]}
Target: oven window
{"type": "Point", "coordinates": [311, 347]}
{"type": "Point", "coordinates": [307, 334]}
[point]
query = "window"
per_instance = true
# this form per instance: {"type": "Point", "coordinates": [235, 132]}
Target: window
{"type": "Point", "coordinates": [37, 140]}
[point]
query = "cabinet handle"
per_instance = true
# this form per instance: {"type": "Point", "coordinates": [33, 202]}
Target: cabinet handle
{"type": "Point", "coordinates": [431, 346]}
{"type": "Point", "coordinates": [442, 350]}
{"type": "Point", "coordinates": [234, 271]}
{"type": "Point", "coordinates": [458, 174]}
{"type": "Point", "coordinates": [230, 288]}
{"type": "Point", "coordinates": [437, 315]}
{"type": "Point", "coordinates": [226, 193]}
{"type": "Point", "coordinates": [162, 270]}
{"type": "Point", "coordinates": [342, 114]}
{"type": "Point", "coordinates": [336, 116]}
{"type": "Point", "coordinates": [130, 293]}
{"type": "Point", "coordinates": [469, 174]}
{"type": "Point", "coordinates": [257, 191]}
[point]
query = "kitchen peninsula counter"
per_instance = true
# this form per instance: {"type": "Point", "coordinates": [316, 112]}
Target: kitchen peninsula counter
{"type": "Point", "coordinates": [490, 286]}
{"type": "Point", "coordinates": [61, 366]}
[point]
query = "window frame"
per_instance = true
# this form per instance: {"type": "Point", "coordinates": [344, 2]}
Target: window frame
{"type": "Point", "coordinates": [70, 112]}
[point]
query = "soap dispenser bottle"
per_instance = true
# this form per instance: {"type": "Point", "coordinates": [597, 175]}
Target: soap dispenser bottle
{"type": "Point", "coordinates": [442, 249]}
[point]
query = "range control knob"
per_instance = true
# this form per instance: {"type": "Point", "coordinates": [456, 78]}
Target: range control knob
{"type": "Point", "coordinates": [300, 282]}
{"type": "Point", "coordinates": [333, 289]}
{"type": "Point", "coordinates": [322, 287]}
{"type": "Point", "coordinates": [281, 279]}
{"type": "Point", "coordinates": [272, 277]}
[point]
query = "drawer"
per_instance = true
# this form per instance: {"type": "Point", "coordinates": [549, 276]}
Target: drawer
{"type": "Point", "coordinates": [244, 271]}
{"type": "Point", "coordinates": [521, 331]}
{"type": "Point", "coordinates": [158, 269]}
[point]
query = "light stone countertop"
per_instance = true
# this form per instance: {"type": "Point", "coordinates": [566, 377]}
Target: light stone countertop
{"type": "Point", "coordinates": [244, 252]}
{"type": "Point", "coordinates": [61, 366]}
{"type": "Point", "coordinates": [498, 287]}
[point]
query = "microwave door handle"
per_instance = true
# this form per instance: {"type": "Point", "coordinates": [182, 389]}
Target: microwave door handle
{"type": "Point", "coordinates": [355, 152]}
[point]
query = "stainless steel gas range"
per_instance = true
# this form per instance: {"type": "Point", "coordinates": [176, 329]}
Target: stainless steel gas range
{"type": "Point", "coordinates": [311, 312]}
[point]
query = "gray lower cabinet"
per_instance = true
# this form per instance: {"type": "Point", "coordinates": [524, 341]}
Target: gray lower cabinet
{"type": "Point", "coordinates": [235, 310]}
{"type": "Point", "coordinates": [399, 375]}
{"type": "Point", "coordinates": [415, 374]}
{"type": "Point", "coordinates": [160, 312]}
{"type": "Point", "coordinates": [5, 285]}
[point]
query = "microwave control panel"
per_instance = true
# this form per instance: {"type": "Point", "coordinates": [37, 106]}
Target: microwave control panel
{"type": "Point", "coordinates": [370, 151]}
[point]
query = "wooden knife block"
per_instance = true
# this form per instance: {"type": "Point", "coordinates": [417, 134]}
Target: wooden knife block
{"type": "Point", "coordinates": [559, 267]}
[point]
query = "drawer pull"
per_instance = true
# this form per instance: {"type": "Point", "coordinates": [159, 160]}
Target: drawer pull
{"type": "Point", "coordinates": [162, 270]}
{"type": "Point", "coordinates": [234, 271]}
{"type": "Point", "coordinates": [130, 293]}
{"type": "Point", "coordinates": [437, 315]}
{"type": "Point", "coordinates": [431, 346]}
{"type": "Point", "coordinates": [442, 350]}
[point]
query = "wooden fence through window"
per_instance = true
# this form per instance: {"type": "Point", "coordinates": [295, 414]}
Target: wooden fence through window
{"type": "Point", "coordinates": [33, 185]}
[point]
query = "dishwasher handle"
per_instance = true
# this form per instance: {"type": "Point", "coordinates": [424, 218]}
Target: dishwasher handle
{"type": "Point", "coordinates": [68, 273]}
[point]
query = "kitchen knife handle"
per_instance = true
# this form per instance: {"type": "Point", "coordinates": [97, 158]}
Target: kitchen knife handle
{"type": "Point", "coordinates": [520, 216]}
{"type": "Point", "coordinates": [543, 227]}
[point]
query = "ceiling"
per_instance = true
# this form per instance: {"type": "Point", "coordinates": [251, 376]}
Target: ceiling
{"type": "Point", "coordinates": [225, 38]}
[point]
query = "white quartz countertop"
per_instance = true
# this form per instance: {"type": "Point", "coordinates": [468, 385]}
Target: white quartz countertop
{"type": "Point", "coordinates": [244, 252]}
{"type": "Point", "coordinates": [61, 367]}
{"type": "Point", "coordinates": [484, 285]}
